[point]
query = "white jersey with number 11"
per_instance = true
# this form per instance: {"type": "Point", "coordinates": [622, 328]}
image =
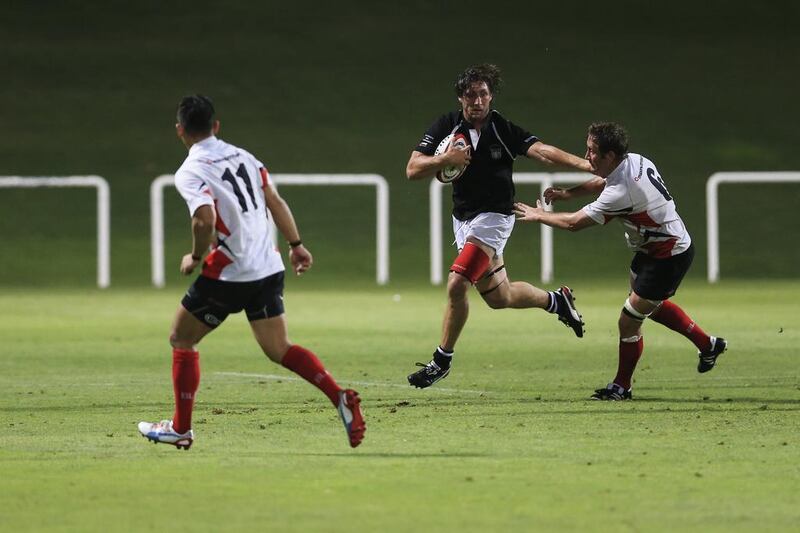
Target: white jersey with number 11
{"type": "Point", "coordinates": [231, 180]}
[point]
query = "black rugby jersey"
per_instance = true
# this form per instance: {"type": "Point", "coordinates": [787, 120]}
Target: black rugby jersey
{"type": "Point", "coordinates": [486, 186]}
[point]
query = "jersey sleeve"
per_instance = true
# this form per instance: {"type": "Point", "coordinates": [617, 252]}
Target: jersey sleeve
{"type": "Point", "coordinates": [193, 189]}
{"type": "Point", "coordinates": [265, 176]}
{"type": "Point", "coordinates": [612, 202]}
{"type": "Point", "coordinates": [520, 139]}
{"type": "Point", "coordinates": [433, 136]}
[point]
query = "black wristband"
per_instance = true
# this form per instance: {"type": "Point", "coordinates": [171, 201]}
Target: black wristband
{"type": "Point", "coordinates": [295, 244]}
{"type": "Point", "coordinates": [197, 257]}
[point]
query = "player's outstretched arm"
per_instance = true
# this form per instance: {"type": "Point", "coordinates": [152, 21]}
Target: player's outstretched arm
{"type": "Point", "coordinates": [592, 187]}
{"type": "Point", "coordinates": [422, 166]}
{"type": "Point", "coordinates": [298, 254]}
{"type": "Point", "coordinates": [551, 155]}
{"type": "Point", "coordinates": [570, 221]}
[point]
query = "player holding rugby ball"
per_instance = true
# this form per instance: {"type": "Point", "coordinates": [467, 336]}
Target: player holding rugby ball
{"type": "Point", "coordinates": [484, 144]}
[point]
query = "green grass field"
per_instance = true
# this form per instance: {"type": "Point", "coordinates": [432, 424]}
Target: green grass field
{"type": "Point", "coordinates": [506, 443]}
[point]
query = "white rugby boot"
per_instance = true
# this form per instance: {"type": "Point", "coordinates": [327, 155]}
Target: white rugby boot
{"type": "Point", "coordinates": [163, 432]}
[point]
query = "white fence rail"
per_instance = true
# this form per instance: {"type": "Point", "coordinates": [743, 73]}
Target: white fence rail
{"type": "Point", "coordinates": [382, 210]}
{"type": "Point", "coordinates": [544, 179]}
{"type": "Point", "coordinates": [712, 206]}
{"type": "Point", "coordinates": [103, 212]}
{"type": "Point", "coordinates": [374, 180]}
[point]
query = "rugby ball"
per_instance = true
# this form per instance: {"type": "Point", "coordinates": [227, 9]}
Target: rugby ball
{"type": "Point", "coordinates": [451, 173]}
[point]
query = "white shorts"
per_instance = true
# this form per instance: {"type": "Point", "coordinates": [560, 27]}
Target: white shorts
{"type": "Point", "coordinates": [492, 229]}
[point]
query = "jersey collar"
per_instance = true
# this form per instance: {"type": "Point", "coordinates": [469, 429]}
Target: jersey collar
{"type": "Point", "coordinates": [618, 172]}
{"type": "Point", "coordinates": [205, 143]}
{"type": "Point", "coordinates": [489, 118]}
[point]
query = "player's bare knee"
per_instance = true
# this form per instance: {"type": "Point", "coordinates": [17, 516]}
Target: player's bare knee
{"type": "Point", "coordinates": [497, 300]}
{"type": "Point", "coordinates": [629, 324]}
{"type": "Point", "coordinates": [494, 288]}
{"type": "Point", "coordinates": [275, 349]}
{"type": "Point", "coordinates": [180, 343]}
{"type": "Point", "coordinates": [457, 287]}
{"type": "Point", "coordinates": [495, 303]}
{"type": "Point", "coordinates": [629, 328]}
{"type": "Point", "coordinates": [276, 356]}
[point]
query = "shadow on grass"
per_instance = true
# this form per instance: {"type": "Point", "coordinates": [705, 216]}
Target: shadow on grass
{"type": "Point", "coordinates": [757, 402]}
{"type": "Point", "coordinates": [356, 454]}
{"type": "Point", "coordinates": [129, 407]}
{"type": "Point", "coordinates": [434, 405]}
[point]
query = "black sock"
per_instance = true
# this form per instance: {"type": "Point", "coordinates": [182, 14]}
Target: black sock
{"type": "Point", "coordinates": [442, 357]}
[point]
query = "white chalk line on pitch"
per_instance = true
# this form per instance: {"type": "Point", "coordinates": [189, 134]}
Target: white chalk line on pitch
{"type": "Point", "coordinates": [756, 379]}
{"type": "Point", "coordinates": [274, 377]}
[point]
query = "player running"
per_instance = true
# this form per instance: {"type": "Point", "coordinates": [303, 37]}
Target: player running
{"type": "Point", "coordinates": [632, 190]}
{"type": "Point", "coordinates": [230, 199]}
{"type": "Point", "coordinates": [483, 199]}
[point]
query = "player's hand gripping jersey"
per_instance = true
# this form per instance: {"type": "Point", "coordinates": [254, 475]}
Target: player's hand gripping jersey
{"type": "Point", "coordinates": [231, 181]}
{"type": "Point", "coordinates": [636, 194]}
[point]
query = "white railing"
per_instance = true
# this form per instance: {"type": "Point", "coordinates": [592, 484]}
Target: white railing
{"type": "Point", "coordinates": [381, 206]}
{"type": "Point", "coordinates": [157, 227]}
{"type": "Point", "coordinates": [712, 206]}
{"type": "Point", "coordinates": [544, 179]}
{"type": "Point", "coordinates": [103, 212]}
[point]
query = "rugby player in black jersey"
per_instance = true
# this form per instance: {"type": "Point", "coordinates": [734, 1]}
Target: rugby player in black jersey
{"type": "Point", "coordinates": [483, 199]}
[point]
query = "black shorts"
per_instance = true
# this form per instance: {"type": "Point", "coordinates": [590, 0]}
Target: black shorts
{"type": "Point", "coordinates": [658, 279]}
{"type": "Point", "coordinates": [212, 300]}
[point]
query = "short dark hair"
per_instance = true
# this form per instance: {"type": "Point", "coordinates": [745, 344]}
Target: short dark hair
{"type": "Point", "coordinates": [610, 137]}
{"type": "Point", "coordinates": [486, 72]}
{"type": "Point", "coordinates": [196, 114]}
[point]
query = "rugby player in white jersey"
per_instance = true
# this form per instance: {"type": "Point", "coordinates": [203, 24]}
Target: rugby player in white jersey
{"type": "Point", "coordinates": [631, 189]}
{"type": "Point", "coordinates": [230, 200]}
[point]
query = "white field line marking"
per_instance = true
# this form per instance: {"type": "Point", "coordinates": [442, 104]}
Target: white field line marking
{"type": "Point", "coordinates": [274, 377]}
{"type": "Point", "coordinates": [754, 378]}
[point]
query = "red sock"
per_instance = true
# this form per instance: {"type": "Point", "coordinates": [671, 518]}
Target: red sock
{"type": "Point", "coordinates": [676, 319]}
{"type": "Point", "coordinates": [629, 354]}
{"type": "Point", "coordinates": [185, 380]}
{"type": "Point", "coordinates": [305, 364]}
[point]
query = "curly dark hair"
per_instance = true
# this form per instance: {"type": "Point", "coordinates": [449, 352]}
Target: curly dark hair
{"type": "Point", "coordinates": [196, 114]}
{"type": "Point", "coordinates": [610, 137]}
{"type": "Point", "coordinates": [486, 72]}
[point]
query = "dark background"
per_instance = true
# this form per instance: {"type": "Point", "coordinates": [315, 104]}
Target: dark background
{"type": "Point", "coordinates": [91, 88]}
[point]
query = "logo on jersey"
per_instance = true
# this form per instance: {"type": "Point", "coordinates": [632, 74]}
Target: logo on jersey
{"type": "Point", "coordinates": [641, 167]}
{"type": "Point", "coordinates": [496, 152]}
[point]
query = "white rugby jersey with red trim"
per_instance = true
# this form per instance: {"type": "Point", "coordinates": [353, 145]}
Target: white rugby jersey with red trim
{"type": "Point", "coordinates": [231, 180]}
{"type": "Point", "coordinates": [636, 194]}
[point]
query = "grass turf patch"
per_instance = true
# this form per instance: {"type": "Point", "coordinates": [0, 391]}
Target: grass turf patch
{"type": "Point", "coordinates": [506, 442]}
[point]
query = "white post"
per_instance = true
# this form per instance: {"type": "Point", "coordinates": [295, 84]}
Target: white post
{"type": "Point", "coordinates": [381, 206]}
{"type": "Point", "coordinates": [435, 230]}
{"type": "Point", "coordinates": [103, 231]}
{"type": "Point", "coordinates": [382, 223]}
{"type": "Point", "coordinates": [556, 178]}
{"type": "Point", "coordinates": [712, 206]}
{"type": "Point", "coordinates": [157, 227]}
{"type": "Point", "coordinates": [712, 227]}
{"type": "Point", "coordinates": [103, 212]}
{"type": "Point", "coordinates": [546, 236]}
